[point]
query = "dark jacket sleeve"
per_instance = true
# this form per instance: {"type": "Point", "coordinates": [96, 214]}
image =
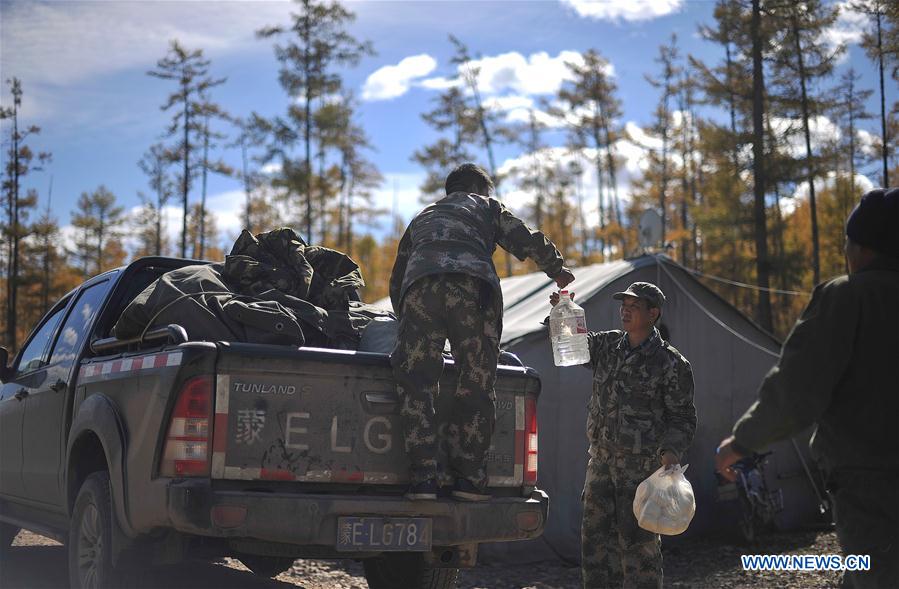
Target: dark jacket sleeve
{"type": "Point", "coordinates": [680, 412]}
{"type": "Point", "coordinates": [514, 236]}
{"type": "Point", "coordinates": [798, 390]}
{"type": "Point", "coordinates": [399, 271]}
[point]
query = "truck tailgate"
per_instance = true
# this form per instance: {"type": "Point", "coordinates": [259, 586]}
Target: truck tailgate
{"type": "Point", "coordinates": [318, 415]}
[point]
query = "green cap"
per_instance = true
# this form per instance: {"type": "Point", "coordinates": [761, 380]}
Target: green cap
{"type": "Point", "coordinates": [643, 290]}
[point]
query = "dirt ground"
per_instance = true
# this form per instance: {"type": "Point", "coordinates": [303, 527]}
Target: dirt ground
{"type": "Point", "coordinates": [38, 563]}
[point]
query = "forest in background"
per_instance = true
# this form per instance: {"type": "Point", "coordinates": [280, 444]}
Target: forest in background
{"type": "Point", "coordinates": [736, 166]}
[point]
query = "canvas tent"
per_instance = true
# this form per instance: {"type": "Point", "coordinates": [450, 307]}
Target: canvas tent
{"type": "Point", "coordinates": [729, 354]}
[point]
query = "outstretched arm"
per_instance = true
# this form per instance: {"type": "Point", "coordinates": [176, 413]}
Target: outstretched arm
{"type": "Point", "coordinates": [514, 236]}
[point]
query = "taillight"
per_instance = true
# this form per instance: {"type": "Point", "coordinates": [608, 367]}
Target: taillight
{"type": "Point", "coordinates": [186, 451]}
{"type": "Point", "coordinates": [530, 441]}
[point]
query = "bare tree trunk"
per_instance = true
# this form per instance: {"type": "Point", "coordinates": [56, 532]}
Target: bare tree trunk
{"type": "Point", "coordinates": [47, 247]}
{"type": "Point", "coordinates": [597, 142]}
{"type": "Point", "coordinates": [158, 223]}
{"type": "Point", "coordinates": [758, 168]}
{"type": "Point", "coordinates": [809, 166]}
{"type": "Point", "coordinates": [685, 183]}
{"type": "Point", "coordinates": [101, 230]}
{"type": "Point", "coordinates": [246, 184]}
{"type": "Point", "coordinates": [12, 277]}
{"type": "Point", "coordinates": [322, 193]}
{"type": "Point", "coordinates": [851, 103]}
{"type": "Point", "coordinates": [203, 195]}
{"type": "Point", "coordinates": [185, 181]}
{"type": "Point", "coordinates": [307, 123]}
{"type": "Point", "coordinates": [349, 215]}
{"type": "Point", "coordinates": [664, 181]}
{"type": "Point", "coordinates": [883, 111]}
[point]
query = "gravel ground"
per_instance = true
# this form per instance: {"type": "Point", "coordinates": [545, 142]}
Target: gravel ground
{"type": "Point", "coordinates": [38, 563]}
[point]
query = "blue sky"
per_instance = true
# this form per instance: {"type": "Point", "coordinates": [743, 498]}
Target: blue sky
{"type": "Point", "coordinates": [83, 69]}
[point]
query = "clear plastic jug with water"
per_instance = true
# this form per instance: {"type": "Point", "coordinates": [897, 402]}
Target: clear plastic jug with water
{"type": "Point", "coordinates": [568, 332]}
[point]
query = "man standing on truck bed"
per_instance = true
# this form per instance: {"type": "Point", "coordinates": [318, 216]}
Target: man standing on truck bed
{"type": "Point", "coordinates": [444, 286]}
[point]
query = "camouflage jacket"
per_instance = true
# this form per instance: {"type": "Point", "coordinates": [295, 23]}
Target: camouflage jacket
{"type": "Point", "coordinates": [642, 401]}
{"type": "Point", "coordinates": [458, 234]}
{"type": "Point", "coordinates": [837, 370]}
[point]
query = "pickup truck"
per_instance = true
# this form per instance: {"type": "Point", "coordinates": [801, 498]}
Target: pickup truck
{"type": "Point", "coordinates": [150, 450]}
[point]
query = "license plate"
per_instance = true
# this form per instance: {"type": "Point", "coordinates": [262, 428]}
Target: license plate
{"type": "Point", "coordinates": [381, 533]}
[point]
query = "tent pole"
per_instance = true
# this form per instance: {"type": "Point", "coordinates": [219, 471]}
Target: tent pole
{"type": "Point", "coordinates": [822, 502]}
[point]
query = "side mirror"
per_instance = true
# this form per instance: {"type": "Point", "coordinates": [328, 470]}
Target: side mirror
{"type": "Point", "coordinates": [5, 369]}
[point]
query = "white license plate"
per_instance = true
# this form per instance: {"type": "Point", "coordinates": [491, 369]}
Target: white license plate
{"type": "Point", "coordinates": [383, 533]}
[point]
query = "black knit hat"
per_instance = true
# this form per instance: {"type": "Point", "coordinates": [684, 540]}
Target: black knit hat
{"type": "Point", "coordinates": [874, 222]}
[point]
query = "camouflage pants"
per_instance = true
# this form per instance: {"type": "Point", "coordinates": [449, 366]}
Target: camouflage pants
{"type": "Point", "coordinates": [615, 551]}
{"type": "Point", "coordinates": [867, 518]}
{"type": "Point", "coordinates": [434, 309]}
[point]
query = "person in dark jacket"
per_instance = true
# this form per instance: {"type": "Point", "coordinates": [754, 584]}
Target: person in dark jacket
{"type": "Point", "coordinates": [444, 286]}
{"type": "Point", "coordinates": [837, 370]}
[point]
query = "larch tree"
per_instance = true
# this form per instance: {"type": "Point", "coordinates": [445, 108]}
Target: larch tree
{"type": "Point", "coordinates": [666, 82]}
{"type": "Point", "coordinates": [20, 161]}
{"type": "Point", "coordinates": [190, 105]}
{"type": "Point", "coordinates": [315, 41]}
{"type": "Point", "coordinates": [763, 313]}
{"type": "Point", "coordinates": [881, 45]}
{"type": "Point", "coordinates": [150, 224]}
{"type": "Point", "coordinates": [98, 222]}
{"type": "Point", "coordinates": [589, 106]}
{"type": "Point", "coordinates": [848, 110]}
{"type": "Point", "coordinates": [804, 59]}
{"type": "Point", "coordinates": [453, 116]}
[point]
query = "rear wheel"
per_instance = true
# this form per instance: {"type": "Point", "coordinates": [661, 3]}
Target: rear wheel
{"type": "Point", "coordinates": [8, 533]}
{"type": "Point", "coordinates": [266, 566]}
{"type": "Point", "coordinates": [90, 538]}
{"type": "Point", "coordinates": [407, 570]}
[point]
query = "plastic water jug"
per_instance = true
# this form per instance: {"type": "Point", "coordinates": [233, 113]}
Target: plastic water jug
{"type": "Point", "coordinates": [568, 332]}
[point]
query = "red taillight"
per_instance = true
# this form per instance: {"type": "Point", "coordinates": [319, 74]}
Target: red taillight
{"type": "Point", "coordinates": [530, 441]}
{"type": "Point", "coordinates": [186, 451]}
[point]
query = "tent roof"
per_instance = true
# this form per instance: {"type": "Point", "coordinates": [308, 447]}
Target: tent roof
{"type": "Point", "coordinates": [526, 298]}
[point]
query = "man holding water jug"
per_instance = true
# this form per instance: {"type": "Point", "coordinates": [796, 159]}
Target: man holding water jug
{"type": "Point", "coordinates": [640, 416]}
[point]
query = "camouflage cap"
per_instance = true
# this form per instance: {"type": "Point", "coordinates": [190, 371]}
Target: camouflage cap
{"type": "Point", "coordinates": [643, 290]}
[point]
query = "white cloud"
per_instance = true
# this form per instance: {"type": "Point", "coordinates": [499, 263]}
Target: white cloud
{"type": "Point", "coordinates": [848, 28]}
{"type": "Point", "coordinates": [627, 10]}
{"type": "Point", "coordinates": [63, 42]}
{"type": "Point", "coordinates": [509, 82]}
{"type": "Point", "coordinates": [439, 83]}
{"type": "Point", "coordinates": [392, 81]}
{"type": "Point", "coordinates": [633, 161]}
{"type": "Point", "coordinates": [788, 206]}
{"type": "Point", "coordinates": [512, 72]}
{"type": "Point", "coordinates": [868, 143]}
{"type": "Point", "coordinates": [271, 168]}
{"type": "Point", "coordinates": [822, 131]}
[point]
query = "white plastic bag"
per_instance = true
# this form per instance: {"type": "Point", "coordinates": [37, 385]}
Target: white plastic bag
{"type": "Point", "coordinates": [664, 502]}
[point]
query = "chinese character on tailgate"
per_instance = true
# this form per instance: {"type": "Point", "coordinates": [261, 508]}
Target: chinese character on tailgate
{"type": "Point", "coordinates": [249, 425]}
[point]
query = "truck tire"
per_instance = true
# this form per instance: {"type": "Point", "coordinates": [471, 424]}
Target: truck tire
{"type": "Point", "coordinates": [90, 538]}
{"type": "Point", "coordinates": [266, 566]}
{"type": "Point", "coordinates": [407, 570]}
{"type": "Point", "coordinates": [8, 533]}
